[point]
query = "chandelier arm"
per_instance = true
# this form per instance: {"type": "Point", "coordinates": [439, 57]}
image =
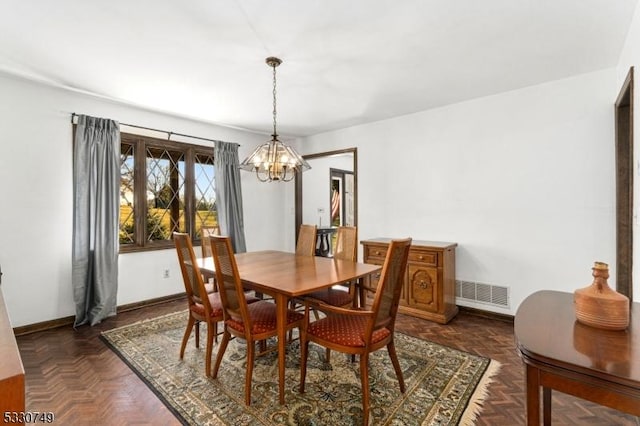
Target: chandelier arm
{"type": "Point", "coordinates": [266, 179]}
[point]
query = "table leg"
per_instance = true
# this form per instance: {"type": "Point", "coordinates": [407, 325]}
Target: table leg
{"type": "Point", "coordinates": [281, 309]}
{"type": "Point", "coordinates": [546, 406]}
{"type": "Point", "coordinates": [362, 294]}
{"type": "Point", "coordinates": [533, 395]}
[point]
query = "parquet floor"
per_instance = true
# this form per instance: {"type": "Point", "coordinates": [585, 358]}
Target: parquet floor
{"type": "Point", "coordinates": [75, 376]}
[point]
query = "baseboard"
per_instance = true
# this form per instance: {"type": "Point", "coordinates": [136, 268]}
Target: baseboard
{"type": "Point", "coordinates": [151, 302]}
{"type": "Point", "coordinates": [486, 314]}
{"type": "Point", "coordinates": [63, 322]}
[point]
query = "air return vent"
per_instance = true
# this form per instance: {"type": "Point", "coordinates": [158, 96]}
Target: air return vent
{"type": "Point", "coordinates": [482, 293]}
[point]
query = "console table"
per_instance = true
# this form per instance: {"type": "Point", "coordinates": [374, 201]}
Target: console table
{"type": "Point", "coordinates": [560, 353]}
{"type": "Point", "coordinates": [323, 241]}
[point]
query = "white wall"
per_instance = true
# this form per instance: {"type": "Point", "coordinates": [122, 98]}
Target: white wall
{"type": "Point", "coordinates": [36, 197]}
{"type": "Point", "coordinates": [523, 181]}
{"type": "Point", "coordinates": [630, 57]}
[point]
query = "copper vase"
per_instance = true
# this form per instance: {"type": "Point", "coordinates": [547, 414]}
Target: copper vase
{"type": "Point", "coordinates": [600, 306]}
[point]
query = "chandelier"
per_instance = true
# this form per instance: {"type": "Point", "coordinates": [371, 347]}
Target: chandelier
{"type": "Point", "coordinates": [273, 160]}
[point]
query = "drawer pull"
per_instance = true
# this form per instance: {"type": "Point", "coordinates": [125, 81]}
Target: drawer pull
{"type": "Point", "coordinates": [421, 257]}
{"type": "Point", "coordinates": [423, 284]}
{"type": "Point", "coordinates": [377, 253]}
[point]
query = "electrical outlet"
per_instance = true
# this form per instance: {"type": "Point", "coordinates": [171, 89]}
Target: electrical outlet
{"type": "Point", "coordinates": [165, 273]}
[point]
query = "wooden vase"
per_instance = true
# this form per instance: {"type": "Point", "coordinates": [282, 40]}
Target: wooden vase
{"type": "Point", "coordinates": [600, 306]}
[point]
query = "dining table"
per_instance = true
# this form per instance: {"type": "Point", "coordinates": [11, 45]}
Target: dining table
{"type": "Point", "coordinates": [285, 276]}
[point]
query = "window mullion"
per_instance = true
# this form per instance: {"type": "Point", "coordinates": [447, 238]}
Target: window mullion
{"type": "Point", "coordinates": [189, 193]}
{"type": "Point", "coordinates": [140, 183]}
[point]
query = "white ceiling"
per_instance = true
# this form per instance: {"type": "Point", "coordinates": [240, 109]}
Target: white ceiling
{"type": "Point", "coordinates": [345, 62]}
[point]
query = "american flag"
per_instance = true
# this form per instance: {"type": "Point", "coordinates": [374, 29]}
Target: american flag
{"type": "Point", "coordinates": [335, 204]}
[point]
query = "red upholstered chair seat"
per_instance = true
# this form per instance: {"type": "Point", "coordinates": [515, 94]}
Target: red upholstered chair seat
{"type": "Point", "coordinates": [263, 315]}
{"type": "Point", "coordinates": [332, 296]}
{"type": "Point", "coordinates": [216, 305]}
{"type": "Point", "coordinates": [346, 330]}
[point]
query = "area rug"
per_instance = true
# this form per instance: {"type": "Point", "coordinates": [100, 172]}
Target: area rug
{"type": "Point", "coordinates": [444, 386]}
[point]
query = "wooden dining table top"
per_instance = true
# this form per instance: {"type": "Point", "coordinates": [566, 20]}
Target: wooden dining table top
{"type": "Point", "coordinates": [290, 274]}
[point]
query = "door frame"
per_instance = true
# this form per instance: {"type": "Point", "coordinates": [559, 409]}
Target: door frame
{"type": "Point", "coordinates": [624, 187]}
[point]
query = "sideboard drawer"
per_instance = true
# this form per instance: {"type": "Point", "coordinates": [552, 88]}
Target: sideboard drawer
{"type": "Point", "coordinates": [375, 252]}
{"type": "Point", "coordinates": [423, 257]}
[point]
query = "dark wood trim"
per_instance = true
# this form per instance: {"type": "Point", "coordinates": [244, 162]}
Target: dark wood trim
{"type": "Point", "coordinates": [298, 184]}
{"type": "Point", "coordinates": [298, 204]}
{"type": "Point", "coordinates": [486, 314]}
{"type": "Point", "coordinates": [624, 187]}
{"type": "Point", "coordinates": [151, 302]}
{"type": "Point", "coordinates": [65, 321]}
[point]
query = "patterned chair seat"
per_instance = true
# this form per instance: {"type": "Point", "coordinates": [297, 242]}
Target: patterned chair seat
{"type": "Point", "coordinates": [263, 315]}
{"type": "Point", "coordinates": [216, 305]}
{"type": "Point", "coordinates": [346, 330]}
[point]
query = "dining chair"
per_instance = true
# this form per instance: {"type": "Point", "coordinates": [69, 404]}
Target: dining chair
{"type": "Point", "coordinates": [206, 309]}
{"type": "Point", "coordinates": [345, 249]}
{"type": "Point", "coordinates": [306, 244]}
{"type": "Point", "coordinates": [205, 232]}
{"type": "Point", "coordinates": [254, 322]}
{"type": "Point", "coordinates": [359, 331]}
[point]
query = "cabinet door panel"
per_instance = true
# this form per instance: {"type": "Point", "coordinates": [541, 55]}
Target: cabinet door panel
{"type": "Point", "coordinates": [423, 288]}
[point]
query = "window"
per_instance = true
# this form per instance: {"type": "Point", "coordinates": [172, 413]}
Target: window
{"type": "Point", "coordinates": [165, 187]}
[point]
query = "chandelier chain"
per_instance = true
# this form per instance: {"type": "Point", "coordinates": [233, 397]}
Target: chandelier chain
{"type": "Point", "coordinates": [275, 133]}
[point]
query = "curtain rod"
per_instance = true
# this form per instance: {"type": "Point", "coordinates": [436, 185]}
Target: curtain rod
{"type": "Point", "coordinates": [74, 115]}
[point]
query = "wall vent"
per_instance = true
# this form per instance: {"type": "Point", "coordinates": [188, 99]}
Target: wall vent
{"type": "Point", "coordinates": [482, 293]}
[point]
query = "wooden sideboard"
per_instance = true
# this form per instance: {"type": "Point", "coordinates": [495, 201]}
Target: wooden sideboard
{"type": "Point", "coordinates": [12, 396]}
{"type": "Point", "coordinates": [429, 290]}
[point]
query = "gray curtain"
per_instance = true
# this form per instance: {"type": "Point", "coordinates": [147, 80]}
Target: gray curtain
{"type": "Point", "coordinates": [229, 194]}
{"type": "Point", "coordinates": [96, 185]}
